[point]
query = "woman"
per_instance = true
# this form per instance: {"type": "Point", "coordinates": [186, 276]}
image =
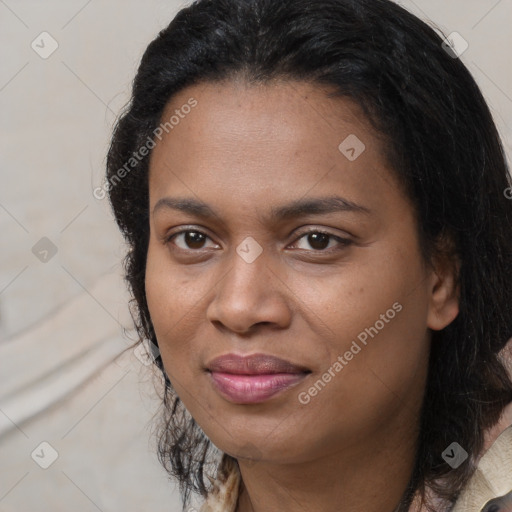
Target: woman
{"type": "Point", "coordinates": [314, 196]}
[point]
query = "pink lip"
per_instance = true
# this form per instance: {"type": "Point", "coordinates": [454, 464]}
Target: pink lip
{"type": "Point", "coordinates": [251, 389]}
{"type": "Point", "coordinates": [253, 364]}
{"type": "Point", "coordinates": [254, 378]}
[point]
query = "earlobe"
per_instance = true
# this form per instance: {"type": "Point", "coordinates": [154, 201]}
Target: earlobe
{"type": "Point", "coordinates": [444, 294]}
{"type": "Point", "coordinates": [443, 304]}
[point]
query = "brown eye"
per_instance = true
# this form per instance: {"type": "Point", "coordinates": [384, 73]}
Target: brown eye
{"type": "Point", "coordinates": [319, 241]}
{"type": "Point", "coordinates": [189, 240]}
{"type": "Point", "coordinates": [194, 240]}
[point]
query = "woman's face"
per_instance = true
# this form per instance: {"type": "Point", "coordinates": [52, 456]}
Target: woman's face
{"type": "Point", "coordinates": [250, 272]}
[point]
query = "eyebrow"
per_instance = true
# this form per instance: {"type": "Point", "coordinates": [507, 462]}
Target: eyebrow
{"type": "Point", "coordinates": [297, 208]}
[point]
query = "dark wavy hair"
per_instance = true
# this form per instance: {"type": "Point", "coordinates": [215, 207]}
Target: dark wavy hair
{"type": "Point", "coordinates": [442, 145]}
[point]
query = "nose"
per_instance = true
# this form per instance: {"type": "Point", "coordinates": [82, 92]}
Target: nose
{"type": "Point", "coordinates": [251, 293]}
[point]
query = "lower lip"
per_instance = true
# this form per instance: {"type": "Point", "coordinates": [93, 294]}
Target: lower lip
{"type": "Point", "coordinates": [252, 389]}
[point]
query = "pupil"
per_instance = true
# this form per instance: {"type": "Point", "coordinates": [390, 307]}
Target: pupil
{"type": "Point", "coordinates": [194, 239]}
{"type": "Point", "coordinates": [318, 240]}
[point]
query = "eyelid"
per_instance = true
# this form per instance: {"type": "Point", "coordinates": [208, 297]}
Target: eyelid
{"type": "Point", "coordinates": [325, 231]}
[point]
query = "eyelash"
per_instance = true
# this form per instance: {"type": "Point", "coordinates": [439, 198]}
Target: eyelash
{"type": "Point", "coordinates": [343, 242]}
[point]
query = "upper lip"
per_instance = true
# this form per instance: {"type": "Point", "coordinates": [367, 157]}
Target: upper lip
{"type": "Point", "coordinates": [255, 364]}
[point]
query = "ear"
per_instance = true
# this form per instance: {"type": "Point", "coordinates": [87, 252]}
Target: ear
{"type": "Point", "coordinates": [443, 289]}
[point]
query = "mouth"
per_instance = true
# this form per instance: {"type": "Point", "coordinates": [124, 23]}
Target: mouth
{"type": "Point", "coordinates": [255, 378]}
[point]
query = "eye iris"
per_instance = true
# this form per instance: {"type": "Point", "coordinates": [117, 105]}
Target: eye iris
{"type": "Point", "coordinates": [194, 240]}
{"type": "Point", "coordinates": [318, 240]}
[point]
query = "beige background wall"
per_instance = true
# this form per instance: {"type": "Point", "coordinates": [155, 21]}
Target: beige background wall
{"type": "Point", "coordinates": [61, 314]}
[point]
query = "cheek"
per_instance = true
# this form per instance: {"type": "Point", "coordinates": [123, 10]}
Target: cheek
{"type": "Point", "coordinates": [173, 294]}
{"type": "Point", "coordinates": [376, 381]}
{"type": "Point", "coordinates": [160, 290]}
{"type": "Point", "coordinates": [373, 316]}
{"type": "Point", "coordinates": [171, 299]}
{"type": "Point", "coordinates": [361, 292]}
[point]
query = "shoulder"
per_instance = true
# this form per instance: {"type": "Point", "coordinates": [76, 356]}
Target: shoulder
{"type": "Point", "coordinates": [492, 479]}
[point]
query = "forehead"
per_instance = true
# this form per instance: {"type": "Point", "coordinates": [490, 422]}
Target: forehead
{"type": "Point", "coordinates": [280, 112]}
{"type": "Point", "coordinates": [257, 143]}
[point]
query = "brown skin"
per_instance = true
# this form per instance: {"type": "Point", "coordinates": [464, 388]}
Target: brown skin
{"type": "Point", "coordinates": [244, 150]}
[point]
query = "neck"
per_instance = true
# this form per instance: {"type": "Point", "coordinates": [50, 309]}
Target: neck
{"type": "Point", "coordinates": [372, 475]}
